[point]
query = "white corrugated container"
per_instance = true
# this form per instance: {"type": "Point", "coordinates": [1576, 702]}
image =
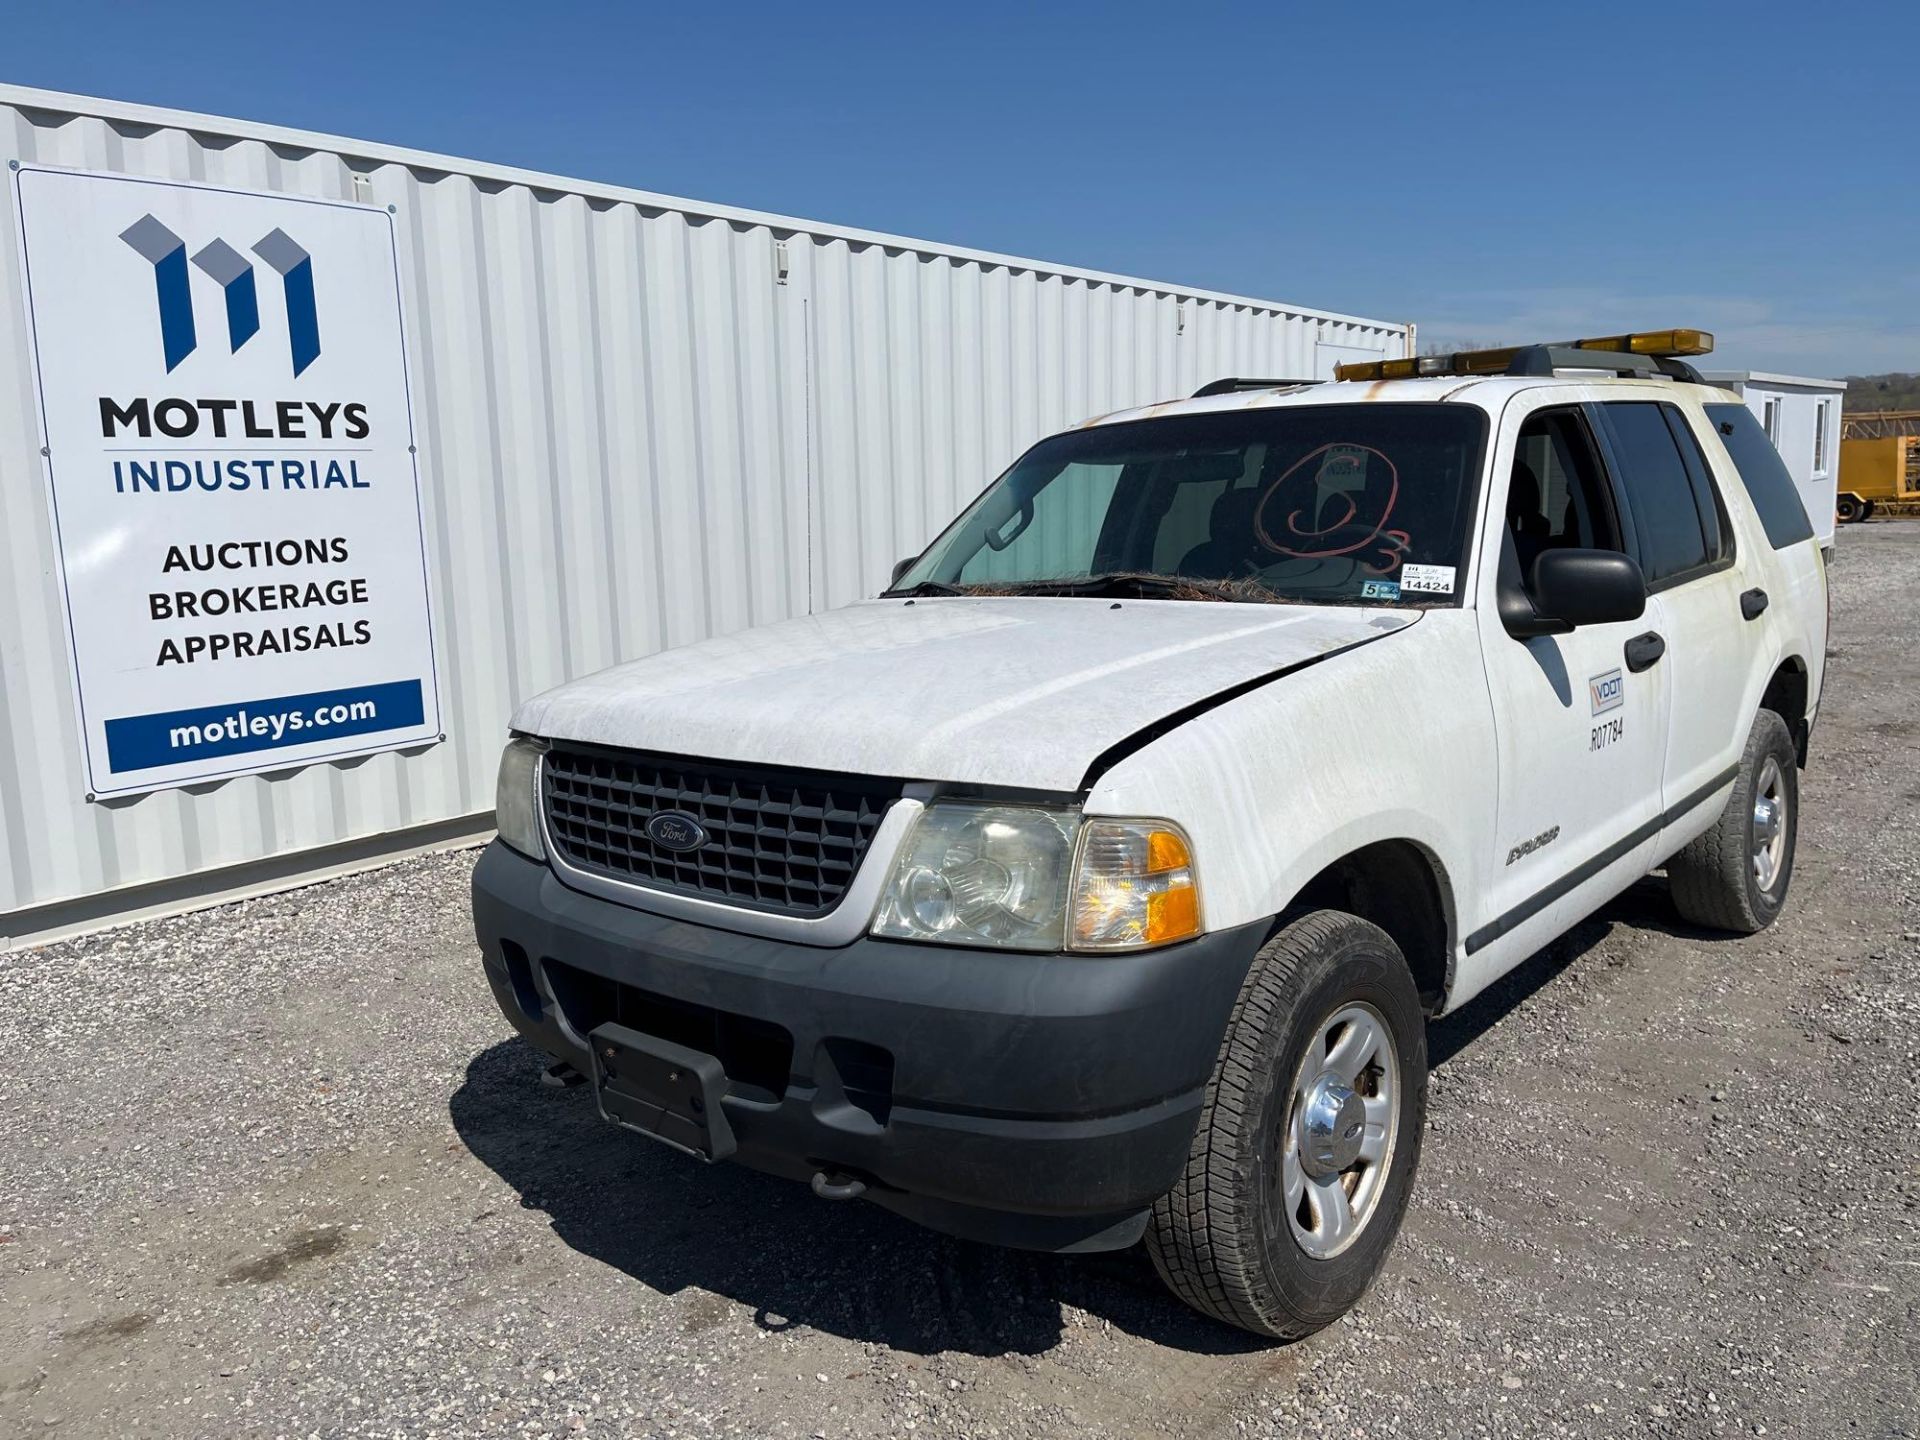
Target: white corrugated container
{"type": "Point", "coordinates": [1801, 415]}
{"type": "Point", "coordinates": [642, 421]}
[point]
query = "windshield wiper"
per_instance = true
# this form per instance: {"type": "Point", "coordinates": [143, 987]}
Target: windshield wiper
{"type": "Point", "coordinates": [1137, 583]}
{"type": "Point", "coordinates": [1144, 583]}
{"type": "Point", "coordinates": [928, 587]}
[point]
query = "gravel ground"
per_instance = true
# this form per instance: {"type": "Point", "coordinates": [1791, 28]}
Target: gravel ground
{"type": "Point", "coordinates": [277, 1169]}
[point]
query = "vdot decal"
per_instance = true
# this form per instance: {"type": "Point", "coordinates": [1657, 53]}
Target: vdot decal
{"type": "Point", "coordinates": [1607, 692]}
{"type": "Point", "coordinates": [233, 273]}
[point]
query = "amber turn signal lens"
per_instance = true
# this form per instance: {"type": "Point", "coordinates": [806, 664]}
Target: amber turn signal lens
{"type": "Point", "coordinates": [1133, 886]}
{"type": "Point", "coordinates": [1166, 851]}
{"type": "Point", "coordinates": [1173, 915]}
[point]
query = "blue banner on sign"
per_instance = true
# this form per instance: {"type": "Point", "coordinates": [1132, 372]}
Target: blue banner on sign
{"type": "Point", "coordinates": [142, 742]}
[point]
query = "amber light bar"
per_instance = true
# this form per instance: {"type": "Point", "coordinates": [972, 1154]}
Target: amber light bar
{"type": "Point", "coordinates": [1661, 343]}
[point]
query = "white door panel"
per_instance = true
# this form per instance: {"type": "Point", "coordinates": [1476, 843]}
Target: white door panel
{"type": "Point", "coordinates": [1582, 739]}
{"type": "Point", "coordinates": [1713, 655]}
{"type": "Point", "coordinates": [1581, 736]}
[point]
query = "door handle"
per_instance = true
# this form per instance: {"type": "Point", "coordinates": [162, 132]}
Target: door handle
{"type": "Point", "coordinates": [1752, 604]}
{"type": "Point", "coordinates": [1643, 651]}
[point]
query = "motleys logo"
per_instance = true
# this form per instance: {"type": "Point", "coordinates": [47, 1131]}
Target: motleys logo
{"type": "Point", "coordinates": [233, 273]}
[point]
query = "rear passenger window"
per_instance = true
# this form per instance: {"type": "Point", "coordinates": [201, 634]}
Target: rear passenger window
{"type": "Point", "coordinates": [1706, 492]}
{"type": "Point", "coordinates": [1666, 519]}
{"type": "Point", "coordinates": [1764, 474]}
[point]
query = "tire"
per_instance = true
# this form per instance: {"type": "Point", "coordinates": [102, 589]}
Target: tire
{"type": "Point", "coordinates": [1847, 510]}
{"type": "Point", "coordinates": [1719, 879]}
{"type": "Point", "coordinates": [1224, 1239]}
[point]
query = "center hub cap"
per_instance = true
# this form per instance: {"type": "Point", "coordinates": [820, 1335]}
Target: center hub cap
{"type": "Point", "coordinates": [1332, 1123]}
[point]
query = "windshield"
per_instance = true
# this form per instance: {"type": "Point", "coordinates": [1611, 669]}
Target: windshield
{"type": "Point", "coordinates": [1316, 503]}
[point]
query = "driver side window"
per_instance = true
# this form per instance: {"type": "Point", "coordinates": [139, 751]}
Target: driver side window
{"type": "Point", "coordinates": [1557, 497]}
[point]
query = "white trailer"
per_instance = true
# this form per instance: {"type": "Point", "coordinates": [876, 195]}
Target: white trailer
{"type": "Point", "coordinates": [1801, 415]}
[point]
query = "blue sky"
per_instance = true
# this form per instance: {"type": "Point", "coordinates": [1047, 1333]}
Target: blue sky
{"type": "Point", "coordinates": [1492, 172]}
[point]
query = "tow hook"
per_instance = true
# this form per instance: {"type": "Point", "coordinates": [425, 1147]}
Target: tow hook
{"type": "Point", "coordinates": [838, 1185]}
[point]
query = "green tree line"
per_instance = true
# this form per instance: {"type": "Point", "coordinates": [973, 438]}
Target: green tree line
{"type": "Point", "coordinates": [1899, 390]}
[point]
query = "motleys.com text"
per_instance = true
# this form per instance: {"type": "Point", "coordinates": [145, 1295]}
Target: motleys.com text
{"type": "Point", "coordinates": [243, 723]}
{"type": "Point", "coordinates": [238, 727]}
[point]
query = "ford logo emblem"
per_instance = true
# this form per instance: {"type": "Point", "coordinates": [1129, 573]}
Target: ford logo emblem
{"type": "Point", "coordinates": [676, 830]}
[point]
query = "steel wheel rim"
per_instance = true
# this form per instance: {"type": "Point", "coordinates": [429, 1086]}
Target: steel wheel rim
{"type": "Point", "coordinates": [1329, 1197]}
{"type": "Point", "coordinates": [1767, 829]}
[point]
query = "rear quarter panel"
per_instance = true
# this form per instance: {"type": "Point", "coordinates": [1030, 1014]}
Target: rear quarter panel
{"type": "Point", "coordinates": [1795, 578]}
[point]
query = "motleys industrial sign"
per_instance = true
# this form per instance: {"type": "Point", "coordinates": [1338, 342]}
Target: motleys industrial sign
{"type": "Point", "coordinates": [230, 470]}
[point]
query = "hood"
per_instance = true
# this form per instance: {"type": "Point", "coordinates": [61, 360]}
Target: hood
{"type": "Point", "coordinates": [1021, 692]}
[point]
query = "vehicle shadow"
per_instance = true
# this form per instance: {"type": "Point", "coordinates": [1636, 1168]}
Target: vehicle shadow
{"type": "Point", "coordinates": [855, 1270]}
{"type": "Point", "coordinates": [852, 1270]}
{"type": "Point", "coordinates": [1646, 906]}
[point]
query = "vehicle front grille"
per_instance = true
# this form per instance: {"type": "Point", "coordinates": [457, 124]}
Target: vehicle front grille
{"type": "Point", "coordinates": [787, 841]}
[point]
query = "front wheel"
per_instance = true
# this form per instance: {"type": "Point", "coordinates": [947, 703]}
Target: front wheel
{"type": "Point", "coordinates": [1304, 1159]}
{"type": "Point", "coordinates": [1847, 509]}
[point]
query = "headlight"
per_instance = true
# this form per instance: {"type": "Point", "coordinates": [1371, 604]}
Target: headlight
{"type": "Point", "coordinates": [982, 875]}
{"type": "Point", "coordinates": [516, 814]}
{"type": "Point", "coordinates": [1011, 877]}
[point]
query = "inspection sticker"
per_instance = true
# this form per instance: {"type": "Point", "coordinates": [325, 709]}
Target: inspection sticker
{"type": "Point", "coordinates": [1435, 579]}
{"type": "Point", "coordinates": [1380, 590]}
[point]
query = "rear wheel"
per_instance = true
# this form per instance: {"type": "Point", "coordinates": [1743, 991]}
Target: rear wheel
{"type": "Point", "coordinates": [1848, 509]}
{"type": "Point", "coordinates": [1735, 876]}
{"type": "Point", "coordinates": [1304, 1159]}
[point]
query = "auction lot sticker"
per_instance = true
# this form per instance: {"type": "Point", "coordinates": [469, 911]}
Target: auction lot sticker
{"type": "Point", "coordinates": [223, 396]}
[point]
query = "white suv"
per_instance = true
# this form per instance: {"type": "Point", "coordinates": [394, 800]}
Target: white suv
{"type": "Point", "coordinates": [1097, 879]}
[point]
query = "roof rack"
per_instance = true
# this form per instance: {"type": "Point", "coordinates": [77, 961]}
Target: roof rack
{"type": "Point", "coordinates": [1229, 384]}
{"type": "Point", "coordinates": [1641, 353]}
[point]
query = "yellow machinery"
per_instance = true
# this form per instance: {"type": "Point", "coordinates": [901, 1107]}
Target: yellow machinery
{"type": "Point", "coordinates": [1878, 477]}
{"type": "Point", "coordinates": [1879, 424]}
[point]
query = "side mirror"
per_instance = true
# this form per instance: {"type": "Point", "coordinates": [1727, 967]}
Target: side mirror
{"type": "Point", "coordinates": [900, 567]}
{"type": "Point", "coordinates": [1588, 587]}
